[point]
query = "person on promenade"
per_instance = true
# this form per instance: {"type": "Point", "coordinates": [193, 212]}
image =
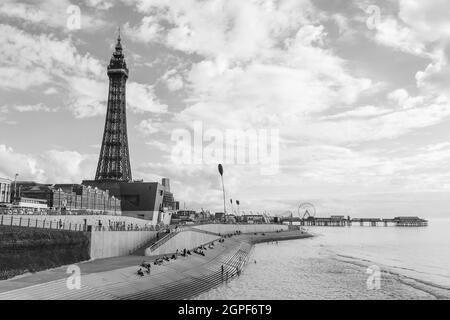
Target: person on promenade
{"type": "Point", "coordinates": [140, 273]}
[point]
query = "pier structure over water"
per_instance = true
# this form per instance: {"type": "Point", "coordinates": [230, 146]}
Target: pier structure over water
{"type": "Point", "coordinates": [342, 221]}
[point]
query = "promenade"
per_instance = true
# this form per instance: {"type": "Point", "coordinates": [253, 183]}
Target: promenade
{"type": "Point", "coordinates": [116, 278]}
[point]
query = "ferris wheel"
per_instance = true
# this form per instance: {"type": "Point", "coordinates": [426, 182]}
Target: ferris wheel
{"type": "Point", "coordinates": [306, 210]}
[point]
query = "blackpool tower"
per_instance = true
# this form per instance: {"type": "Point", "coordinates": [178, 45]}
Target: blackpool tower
{"type": "Point", "coordinates": [114, 161]}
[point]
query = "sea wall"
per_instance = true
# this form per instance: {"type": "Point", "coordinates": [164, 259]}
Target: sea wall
{"type": "Point", "coordinates": [243, 228]}
{"type": "Point", "coordinates": [25, 249]}
{"type": "Point", "coordinates": [107, 244]}
{"type": "Point", "coordinates": [185, 239]}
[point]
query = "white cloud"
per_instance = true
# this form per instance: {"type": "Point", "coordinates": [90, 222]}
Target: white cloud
{"type": "Point", "coordinates": [50, 91]}
{"type": "Point", "coordinates": [402, 98]}
{"type": "Point", "coordinates": [148, 31]}
{"type": "Point", "coordinates": [386, 126]}
{"type": "Point", "coordinates": [148, 127]}
{"type": "Point", "coordinates": [52, 166]}
{"type": "Point", "coordinates": [235, 29]}
{"type": "Point", "coordinates": [422, 29]}
{"type": "Point", "coordinates": [141, 98]}
{"type": "Point", "coordinates": [34, 60]}
{"type": "Point", "coordinates": [428, 19]}
{"type": "Point", "coordinates": [54, 13]}
{"type": "Point", "coordinates": [173, 80]}
{"type": "Point", "coordinates": [402, 38]}
{"type": "Point", "coordinates": [362, 112]}
{"type": "Point", "coordinates": [33, 108]}
{"type": "Point", "coordinates": [100, 4]}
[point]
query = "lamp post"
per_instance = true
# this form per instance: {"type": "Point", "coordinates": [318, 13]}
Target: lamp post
{"type": "Point", "coordinates": [220, 167]}
{"type": "Point", "coordinates": [15, 185]}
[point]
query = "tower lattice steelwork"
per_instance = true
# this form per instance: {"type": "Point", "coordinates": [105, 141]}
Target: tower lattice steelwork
{"type": "Point", "coordinates": [114, 161]}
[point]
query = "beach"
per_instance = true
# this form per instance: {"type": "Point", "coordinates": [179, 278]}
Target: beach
{"type": "Point", "coordinates": [413, 262]}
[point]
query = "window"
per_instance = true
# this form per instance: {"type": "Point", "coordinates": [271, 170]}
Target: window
{"type": "Point", "coordinates": [132, 199]}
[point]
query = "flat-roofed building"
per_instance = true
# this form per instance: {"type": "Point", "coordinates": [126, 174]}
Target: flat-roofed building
{"type": "Point", "coordinates": [139, 199]}
{"type": "Point", "coordinates": [219, 216]}
{"type": "Point", "coordinates": [253, 218]}
{"type": "Point", "coordinates": [143, 200]}
{"type": "Point", "coordinates": [5, 190]}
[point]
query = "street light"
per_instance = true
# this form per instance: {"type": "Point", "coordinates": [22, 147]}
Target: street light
{"type": "Point", "coordinates": [15, 185]}
{"type": "Point", "coordinates": [220, 167]}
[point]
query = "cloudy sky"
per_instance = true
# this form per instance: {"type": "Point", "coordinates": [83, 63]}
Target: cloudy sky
{"type": "Point", "coordinates": [359, 91]}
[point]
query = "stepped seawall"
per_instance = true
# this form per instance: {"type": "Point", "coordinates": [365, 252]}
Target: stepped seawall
{"type": "Point", "coordinates": [116, 278]}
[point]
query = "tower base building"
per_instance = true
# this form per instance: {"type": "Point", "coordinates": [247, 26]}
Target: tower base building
{"type": "Point", "coordinates": [142, 200]}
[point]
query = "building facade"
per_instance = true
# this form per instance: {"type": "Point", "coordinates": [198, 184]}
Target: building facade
{"type": "Point", "coordinates": [143, 200]}
{"type": "Point", "coordinates": [72, 197]}
{"type": "Point", "coordinates": [5, 190]}
{"type": "Point", "coordinates": [169, 202]}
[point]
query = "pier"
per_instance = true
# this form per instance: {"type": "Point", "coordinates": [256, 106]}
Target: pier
{"type": "Point", "coordinates": [342, 221]}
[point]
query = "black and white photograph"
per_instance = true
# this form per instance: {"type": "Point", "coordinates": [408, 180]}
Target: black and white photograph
{"type": "Point", "coordinates": [222, 151]}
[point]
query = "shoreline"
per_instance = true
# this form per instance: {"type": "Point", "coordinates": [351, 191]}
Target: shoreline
{"type": "Point", "coordinates": [116, 278]}
{"type": "Point", "coordinates": [321, 275]}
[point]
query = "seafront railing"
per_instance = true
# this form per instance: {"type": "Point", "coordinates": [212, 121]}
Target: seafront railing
{"type": "Point", "coordinates": [58, 212]}
{"type": "Point", "coordinates": [49, 223]}
{"type": "Point", "coordinates": [167, 237]}
{"type": "Point", "coordinates": [204, 231]}
{"type": "Point", "coordinates": [21, 221]}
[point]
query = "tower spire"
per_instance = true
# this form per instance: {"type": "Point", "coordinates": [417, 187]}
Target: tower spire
{"type": "Point", "coordinates": [118, 44]}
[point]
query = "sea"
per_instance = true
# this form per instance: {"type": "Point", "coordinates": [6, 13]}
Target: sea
{"type": "Point", "coordinates": [387, 263]}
